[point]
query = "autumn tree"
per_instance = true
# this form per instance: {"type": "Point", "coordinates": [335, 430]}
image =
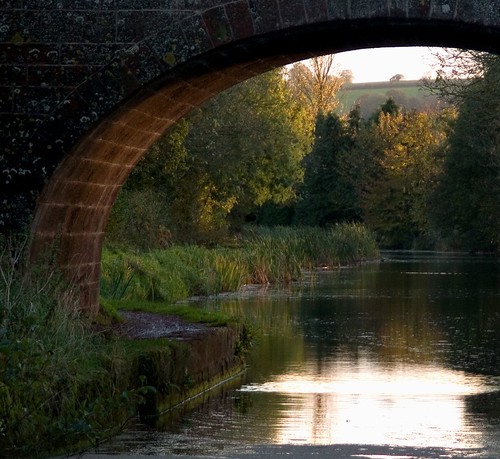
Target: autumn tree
{"type": "Point", "coordinates": [315, 85]}
{"type": "Point", "coordinates": [409, 160]}
{"type": "Point", "coordinates": [237, 152]}
{"type": "Point", "coordinates": [347, 76]}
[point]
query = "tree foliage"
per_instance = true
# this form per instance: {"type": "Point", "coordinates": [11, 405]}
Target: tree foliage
{"type": "Point", "coordinates": [408, 163]}
{"type": "Point", "coordinates": [316, 86]}
{"type": "Point", "coordinates": [140, 216]}
{"type": "Point", "coordinates": [237, 152]}
{"type": "Point", "coordinates": [328, 194]}
{"type": "Point", "coordinates": [418, 179]}
{"type": "Point", "coordinates": [457, 71]}
{"type": "Point", "coordinates": [466, 206]}
{"type": "Point", "coordinates": [397, 77]}
{"type": "Point", "coordinates": [380, 171]}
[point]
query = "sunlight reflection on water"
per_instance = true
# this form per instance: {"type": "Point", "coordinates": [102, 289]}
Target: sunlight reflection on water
{"type": "Point", "coordinates": [367, 379]}
{"type": "Point", "coordinates": [417, 405]}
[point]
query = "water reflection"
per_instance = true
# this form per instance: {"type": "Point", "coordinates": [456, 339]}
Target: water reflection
{"type": "Point", "coordinates": [403, 352]}
{"type": "Point", "coordinates": [409, 405]}
{"type": "Point", "coordinates": [400, 352]}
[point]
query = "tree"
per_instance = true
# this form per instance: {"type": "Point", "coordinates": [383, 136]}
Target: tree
{"type": "Point", "coordinates": [315, 86]}
{"type": "Point", "coordinates": [354, 121]}
{"type": "Point", "coordinates": [407, 149]}
{"type": "Point", "coordinates": [347, 76]}
{"type": "Point", "coordinates": [397, 77]}
{"type": "Point", "coordinates": [466, 208]}
{"type": "Point", "coordinates": [237, 152]}
{"type": "Point", "coordinates": [328, 195]}
{"type": "Point", "coordinates": [389, 107]}
{"type": "Point", "coordinates": [141, 215]}
{"type": "Point", "coordinates": [456, 71]}
{"type": "Point", "coordinates": [258, 136]}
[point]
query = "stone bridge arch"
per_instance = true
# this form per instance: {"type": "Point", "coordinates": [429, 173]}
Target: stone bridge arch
{"type": "Point", "coordinates": [86, 86]}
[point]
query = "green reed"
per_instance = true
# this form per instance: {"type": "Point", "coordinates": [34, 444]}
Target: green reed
{"type": "Point", "coordinates": [265, 255]}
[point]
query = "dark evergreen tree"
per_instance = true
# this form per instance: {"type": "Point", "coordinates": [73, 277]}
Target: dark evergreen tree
{"type": "Point", "coordinates": [389, 107]}
{"type": "Point", "coordinates": [354, 121]}
{"type": "Point", "coordinates": [327, 195]}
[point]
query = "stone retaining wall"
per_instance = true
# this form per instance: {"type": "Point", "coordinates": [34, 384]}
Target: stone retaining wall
{"type": "Point", "coordinates": [187, 370]}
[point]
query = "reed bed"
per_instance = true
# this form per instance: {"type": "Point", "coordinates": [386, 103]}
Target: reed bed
{"type": "Point", "coordinates": [264, 256]}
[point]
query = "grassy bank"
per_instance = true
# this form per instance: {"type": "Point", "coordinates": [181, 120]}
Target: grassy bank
{"type": "Point", "coordinates": [264, 255]}
{"type": "Point", "coordinates": [61, 383]}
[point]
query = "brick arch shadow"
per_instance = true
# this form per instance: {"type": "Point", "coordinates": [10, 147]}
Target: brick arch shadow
{"type": "Point", "coordinates": [75, 203]}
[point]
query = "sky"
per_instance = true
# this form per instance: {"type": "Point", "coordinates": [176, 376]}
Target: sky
{"type": "Point", "coordinates": [381, 64]}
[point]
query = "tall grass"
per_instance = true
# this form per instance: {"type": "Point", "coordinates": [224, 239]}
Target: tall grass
{"type": "Point", "coordinates": [58, 379]}
{"type": "Point", "coordinates": [172, 274]}
{"type": "Point", "coordinates": [265, 255]}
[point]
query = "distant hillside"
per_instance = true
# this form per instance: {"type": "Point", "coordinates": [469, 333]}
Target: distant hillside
{"type": "Point", "coordinates": [370, 96]}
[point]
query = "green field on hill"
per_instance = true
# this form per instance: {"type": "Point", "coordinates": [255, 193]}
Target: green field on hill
{"type": "Point", "coordinates": [407, 94]}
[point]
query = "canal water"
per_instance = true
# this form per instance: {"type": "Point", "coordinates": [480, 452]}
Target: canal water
{"type": "Point", "coordinates": [398, 355]}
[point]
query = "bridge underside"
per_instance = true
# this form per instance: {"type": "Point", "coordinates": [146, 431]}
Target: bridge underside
{"type": "Point", "coordinates": [95, 136]}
